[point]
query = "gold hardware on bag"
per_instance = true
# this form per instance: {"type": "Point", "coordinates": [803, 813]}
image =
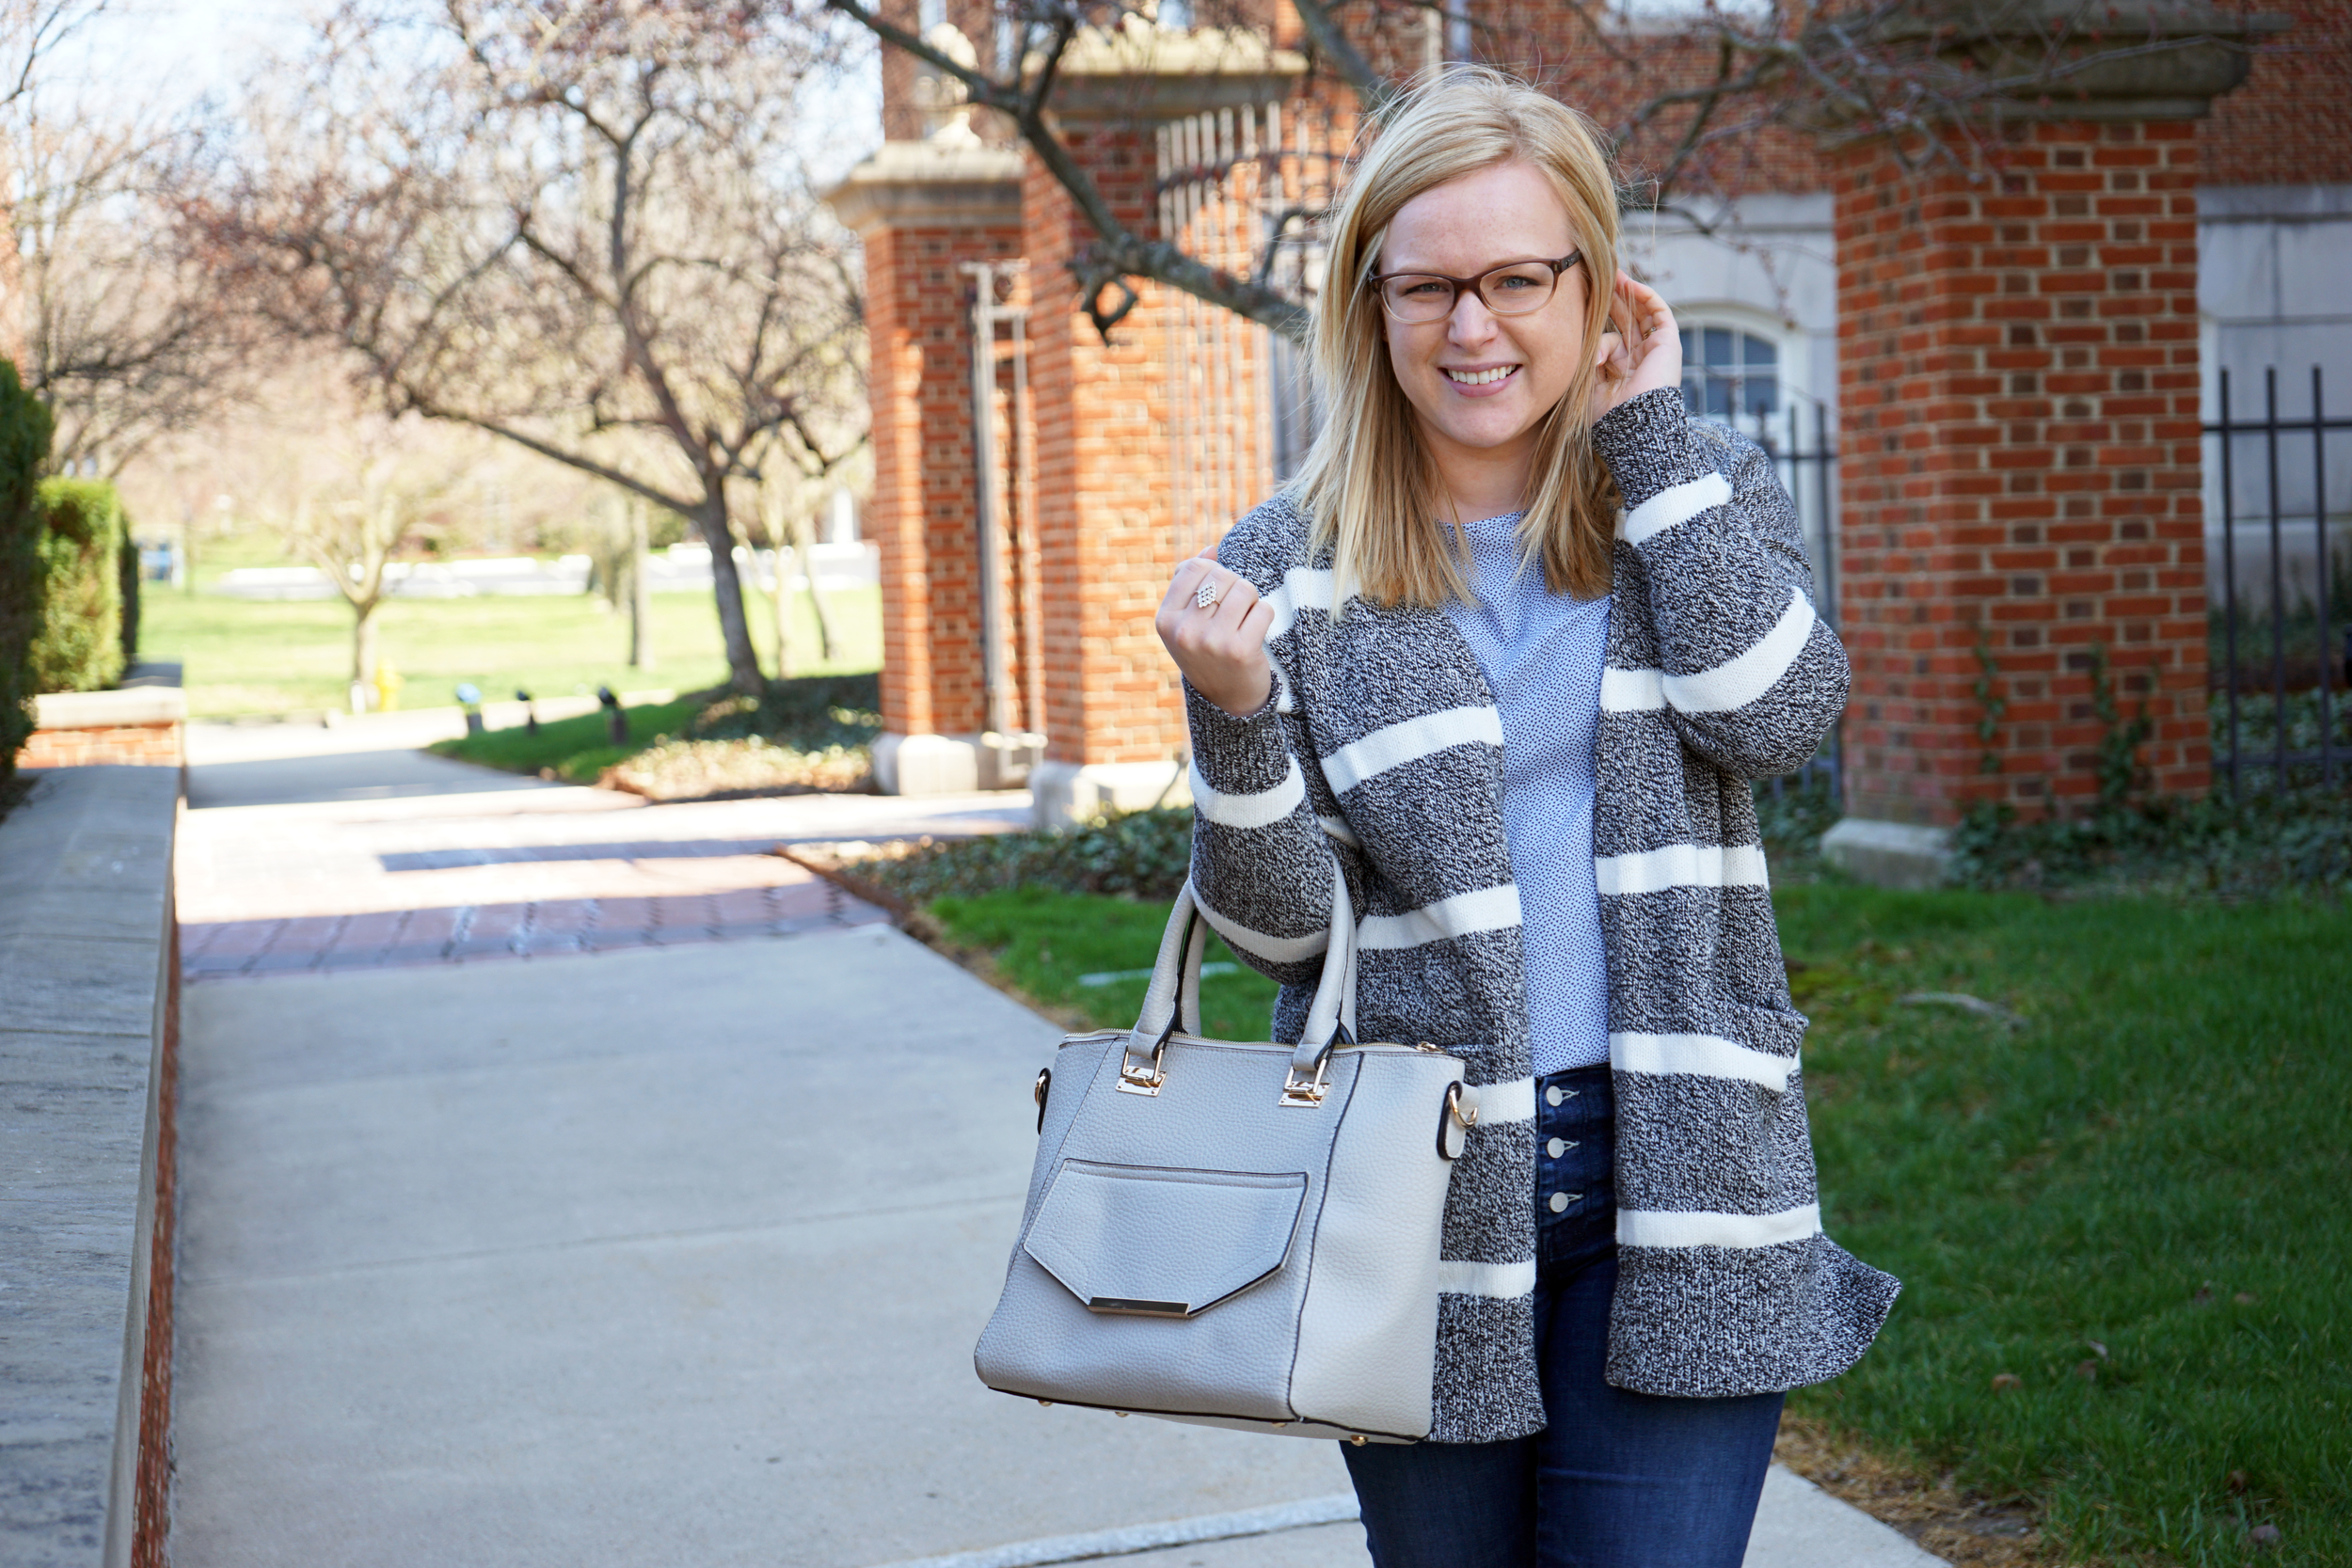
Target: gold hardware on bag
{"type": "Point", "coordinates": [1426, 1046]}
{"type": "Point", "coordinates": [1132, 1080]}
{"type": "Point", "coordinates": [1120, 1414]}
{"type": "Point", "coordinates": [1143, 1080]}
{"type": "Point", "coordinates": [1309, 1093]}
{"type": "Point", "coordinates": [1454, 1113]}
{"type": "Point", "coordinates": [1047, 1403]}
{"type": "Point", "coordinates": [1357, 1439]}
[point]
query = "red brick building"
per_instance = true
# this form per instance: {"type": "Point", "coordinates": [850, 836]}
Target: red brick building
{"type": "Point", "coordinates": [2012, 370]}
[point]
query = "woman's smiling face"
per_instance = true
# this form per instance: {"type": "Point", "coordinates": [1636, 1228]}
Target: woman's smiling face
{"type": "Point", "coordinates": [1481, 384]}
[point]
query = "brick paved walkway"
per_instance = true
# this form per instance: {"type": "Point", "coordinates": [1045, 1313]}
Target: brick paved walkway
{"type": "Point", "coordinates": [303, 854]}
{"type": "Point", "coordinates": [468, 932]}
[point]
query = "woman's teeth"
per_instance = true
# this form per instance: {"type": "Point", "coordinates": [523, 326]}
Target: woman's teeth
{"type": "Point", "coordinates": [1478, 379]}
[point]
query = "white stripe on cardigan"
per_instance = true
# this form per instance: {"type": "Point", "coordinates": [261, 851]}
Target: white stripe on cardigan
{"type": "Point", "coordinates": [1673, 506]}
{"type": "Point", "coordinates": [1396, 745]}
{"type": "Point", "coordinates": [1485, 909]}
{"type": "Point", "coordinates": [1679, 866]}
{"type": "Point", "coordinates": [1680, 1228]}
{"type": "Point", "coordinates": [1498, 1281]}
{"type": "Point", "coordinates": [1698, 1055]}
{"type": "Point", "coordinates": [1260, 809]}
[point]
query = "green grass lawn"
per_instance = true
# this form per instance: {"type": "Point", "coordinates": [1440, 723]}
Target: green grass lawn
{"type": "Point", "coordinates": [574, 750]}
{"type": "Point", "coordinates": [285, 657]}
{"type": "Point", "coordinates": [1042, 942]}
{"type": "Point", "coordinates": [2138, 1203]}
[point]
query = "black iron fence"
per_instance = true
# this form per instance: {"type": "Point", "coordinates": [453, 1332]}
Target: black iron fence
{"type": "Point", "coordinates": [2278, 672]}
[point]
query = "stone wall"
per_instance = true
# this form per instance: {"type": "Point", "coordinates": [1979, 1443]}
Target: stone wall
{"type": "Point", "coordinates": [88, 1030]}
{"type": "Point", "coordinates": [141, 725]}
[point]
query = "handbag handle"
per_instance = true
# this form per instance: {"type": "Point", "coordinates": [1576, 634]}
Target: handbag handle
{"type": "Point", "coordinates": [1174, 996]}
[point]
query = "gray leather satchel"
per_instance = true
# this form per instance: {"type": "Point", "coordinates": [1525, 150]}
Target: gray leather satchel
{"type": "Point", "coordinates": [1234, 1234]}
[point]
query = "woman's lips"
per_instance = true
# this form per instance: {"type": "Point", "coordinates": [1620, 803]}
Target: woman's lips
{"type": "Point", "coordinates": [1483, 383]}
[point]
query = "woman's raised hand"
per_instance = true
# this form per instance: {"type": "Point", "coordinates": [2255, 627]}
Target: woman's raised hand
{"type": "Point", "coordinates": [1642, 350]}
{"type": "Point", "coordinates": [1214, 627]}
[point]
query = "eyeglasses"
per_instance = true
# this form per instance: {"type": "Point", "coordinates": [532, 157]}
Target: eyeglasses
{"type": "Point", "coordinates": [1513, 289]}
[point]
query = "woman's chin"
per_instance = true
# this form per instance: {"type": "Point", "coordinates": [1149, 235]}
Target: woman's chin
{"type": "Point", "coordinates": [1492, 432]}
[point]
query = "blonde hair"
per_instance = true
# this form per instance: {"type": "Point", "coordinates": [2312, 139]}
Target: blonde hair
{"type": "Point", "coordinates": [1368, 483]}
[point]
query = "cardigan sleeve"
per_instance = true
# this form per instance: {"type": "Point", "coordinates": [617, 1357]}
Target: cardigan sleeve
{"type": "Point", "coordinates": [1265, 831]}
{"type": "Point", "coordinates": [1750, 675]}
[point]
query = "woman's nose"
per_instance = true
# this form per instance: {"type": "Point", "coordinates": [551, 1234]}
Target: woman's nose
{"type": "Point", "coordinates": [1472, 322]}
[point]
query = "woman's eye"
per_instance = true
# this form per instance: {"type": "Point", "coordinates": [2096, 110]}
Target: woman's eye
{"type": "Point", "coordinates": [1425, 288]}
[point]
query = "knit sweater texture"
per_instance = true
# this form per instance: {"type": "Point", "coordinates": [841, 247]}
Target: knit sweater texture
{"type": "Point", "coordinates": [1383, 750]}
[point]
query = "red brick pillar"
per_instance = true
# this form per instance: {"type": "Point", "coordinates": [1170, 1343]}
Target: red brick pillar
{"type": "Point", "coordinates": [923, 209]}
{"type": "Point", "coordinates": [1108, 531]}
{"type": "Point", "coordinates": [1114, 720]}
{"type": "Point", "coordinates": [2019, 470]}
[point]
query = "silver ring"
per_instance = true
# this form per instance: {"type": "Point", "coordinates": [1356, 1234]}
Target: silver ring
{"type": "Point", "coordinates": [1205, 597]}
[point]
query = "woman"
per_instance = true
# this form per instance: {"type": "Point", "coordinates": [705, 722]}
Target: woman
{"type": "Point", "coordinates": [1523, 722]}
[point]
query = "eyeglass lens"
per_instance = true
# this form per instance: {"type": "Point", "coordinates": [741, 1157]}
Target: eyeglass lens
{"type": "Point", "coordinates": [1511, 291]}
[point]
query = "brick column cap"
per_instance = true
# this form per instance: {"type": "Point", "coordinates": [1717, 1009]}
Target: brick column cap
{"type": "Point", "coordinates": [2172, 58]}
{"type": "Point", "coordinates": [1139, 71]}
{"type": "Point", "coordinates": [930, 184]}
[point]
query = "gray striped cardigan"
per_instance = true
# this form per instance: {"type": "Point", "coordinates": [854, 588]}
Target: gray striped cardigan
{"type": "Point", "coordinates": [1718, 672]}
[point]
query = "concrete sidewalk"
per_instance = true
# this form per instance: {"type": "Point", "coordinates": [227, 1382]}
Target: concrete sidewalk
{"type": "Point", "coordinates": [669, 1255]}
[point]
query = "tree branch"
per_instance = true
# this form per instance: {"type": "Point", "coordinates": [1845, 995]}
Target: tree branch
{"type": "Point", "coordinates": [1374, 90]}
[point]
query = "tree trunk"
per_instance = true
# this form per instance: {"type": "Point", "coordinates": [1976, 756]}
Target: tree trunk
{"type": "Point", "coordinates": [363, 639]}
{"type": "Point", "coordinates": [781, 599]}
{"type": "Point", "coordinates": [710, 519]}
{"type": "Point", "coordinates": [804, 546]}
{"type": "Point", "coordinates": [640, 590]}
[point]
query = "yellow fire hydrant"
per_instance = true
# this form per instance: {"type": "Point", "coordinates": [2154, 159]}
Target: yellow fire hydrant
{"type": "Point", "coordinates": [388, 685]}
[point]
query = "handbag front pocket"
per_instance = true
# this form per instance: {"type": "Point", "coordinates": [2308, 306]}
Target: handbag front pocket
{"type": "Point", "coordinates": [1160, 1243]}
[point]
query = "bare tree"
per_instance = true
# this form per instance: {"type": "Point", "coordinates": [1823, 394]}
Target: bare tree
{"type": "Point", "coordinates": [352, 499]}
{"type": "Point", "coordinates": [119, 339]}
{"type": "Point", "coordinates": [583, 228]}
{"type": "Point", "coordinates": [1694, 91]}
{"type": "Point", "coordinates": [126, 340]}
{"type": "Point", "coordinates": [30, 32]}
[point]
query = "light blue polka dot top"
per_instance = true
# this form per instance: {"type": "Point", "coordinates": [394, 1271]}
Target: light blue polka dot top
{"type": "Point", "coordinates": [1542, 652]}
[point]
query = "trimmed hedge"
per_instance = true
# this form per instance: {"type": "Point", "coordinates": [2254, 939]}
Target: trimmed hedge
{"type": "Point", "coordinates": [80, 646]}
{"type": "Point", "coordinates": [23, 447]}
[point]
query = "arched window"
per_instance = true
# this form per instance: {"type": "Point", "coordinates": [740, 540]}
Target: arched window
{"type": "Point", "coordinates": [1729, 373]}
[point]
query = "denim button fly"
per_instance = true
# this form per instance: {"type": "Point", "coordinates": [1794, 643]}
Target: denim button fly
{"type": "Point", "coordinates": [1574, 1191]}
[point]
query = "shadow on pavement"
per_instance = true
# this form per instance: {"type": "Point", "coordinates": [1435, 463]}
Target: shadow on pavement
{"type": "Point", "coordinates": [341, 776]}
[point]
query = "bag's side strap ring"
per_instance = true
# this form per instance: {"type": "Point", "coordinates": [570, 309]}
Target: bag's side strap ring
{"type": "Point", "coordinates": [1454, 1121]}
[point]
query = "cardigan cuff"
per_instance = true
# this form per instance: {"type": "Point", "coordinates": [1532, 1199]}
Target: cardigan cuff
{"type": "Point", "coordinates": [1647, 443]}
{"type": "Point", "coordinates": [1238, 755]}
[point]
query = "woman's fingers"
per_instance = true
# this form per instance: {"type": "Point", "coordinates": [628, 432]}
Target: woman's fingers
{"type": "Point", "coordinates": [1220, 645]}
{"type": "Point", "coordinates": [1648, 351]}
{"type": "Point", "coordinates": [1183, 587]}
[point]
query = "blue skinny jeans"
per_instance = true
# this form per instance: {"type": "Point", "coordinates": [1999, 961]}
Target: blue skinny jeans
{"type": "Point", "coordinates": [1616, 1479]}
